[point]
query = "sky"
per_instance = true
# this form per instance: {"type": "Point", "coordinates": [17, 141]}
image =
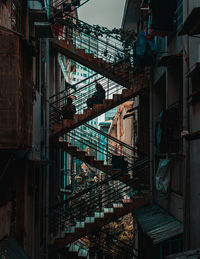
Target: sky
{"type": "Point", "coordinates": [106, 13]}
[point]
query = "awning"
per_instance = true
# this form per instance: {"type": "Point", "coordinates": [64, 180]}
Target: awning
{"type": "Point", "coordinates": [10, 249]}
{"type": "Point", "coordinates": [157, 223]}
{"type": "Point", "coordinates": [169, 60]}
{"type": "Point", "coordinates": [191, 25]}
{"type": "Point", "coordinates": [192, 254]}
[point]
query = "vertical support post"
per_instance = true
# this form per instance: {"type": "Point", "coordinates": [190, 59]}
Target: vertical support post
{"type": "Point", "coordinates": [46, 177]}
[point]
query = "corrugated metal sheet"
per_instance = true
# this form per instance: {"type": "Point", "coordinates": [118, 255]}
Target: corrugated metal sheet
{"type": "Point", "coordinates": [158, 224]}
{"type": "Point", "coordinates": [192, 254]}
{"type": "Point", "coordinates": [10, 249]}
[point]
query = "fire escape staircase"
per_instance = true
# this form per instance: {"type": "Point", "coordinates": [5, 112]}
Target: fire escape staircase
{"type": "Point", "coordinates": [89, 114]}
{"type": "Point", "coordinates": [102, 202]}
{"type": "Point", "coordinates": [94, 63]}
{"type": "Point", "coordinates": [93, 208]}
{"type": "Point", "coordinates": [81, 136]}
{"type": "Point", "coordinates": [98, 164]}
{"type": "Point", "coordinates": [87, 211]}
{"type": "Point", "coordinates": [105, 56]}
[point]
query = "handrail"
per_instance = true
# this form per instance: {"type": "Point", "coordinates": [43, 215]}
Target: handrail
{"type": "Point", "coordinates": [136, 165]}
{"type": "Point", "coordinates": [112, 65]}
{"type": "Point", "coordinates": [114, 139]}
{"type": "Point", "coordinates": [106, 149]}
{"type": "Point", "coordinates": [66, 7]}
{"type": "Point", "coordinates": [76, 26]}
{"type": "Point", "coordinates": [57, 102]}
{"type": "Point", "coordinates": [102, 197]}
{"type": "Point", "coordinates": [100, 148]}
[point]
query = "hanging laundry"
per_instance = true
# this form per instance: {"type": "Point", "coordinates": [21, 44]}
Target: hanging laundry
{"type": "Point", "coordinates": [145, 51]}
{"type": "Point", "coordinates": [163, 175]}
{"type": "Point", "coordinates": [167, 131]}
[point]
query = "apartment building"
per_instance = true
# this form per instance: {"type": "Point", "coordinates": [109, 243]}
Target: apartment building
{"type": "Point", "coordinates": [30, 73]}
{"type": "Point", "coordinates": [173, 26]}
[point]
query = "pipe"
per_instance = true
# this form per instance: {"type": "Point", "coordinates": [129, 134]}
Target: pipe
{"type": "Point", "coordinates": [151, 135]}
{"type": "Point", "coordinates": [47, 140]}
{"type": "Point", "coordinates": [186, 146]}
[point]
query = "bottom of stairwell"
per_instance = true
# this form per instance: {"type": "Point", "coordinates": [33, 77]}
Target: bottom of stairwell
{"type": "Point", "coordinates": [99, 219]}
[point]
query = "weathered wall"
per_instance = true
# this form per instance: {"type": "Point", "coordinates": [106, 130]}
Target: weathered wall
{"type": "Point", "coordinates": [15, 93]}
{"type": "Point", "coordinates": [5, 214]}
{"type": "Point", "coordinates": [5, 14]}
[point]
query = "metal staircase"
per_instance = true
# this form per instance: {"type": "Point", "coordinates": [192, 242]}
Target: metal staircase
{"type": "Point", "coordinates": [115, 95]}
{"type": "Point", "coordinates": [117, 149]}
{"type": "Point", "coordinates": [124, 189]}
{"type": "Point", "coordinates": [90, 209]}
{"type": "Point", "coordinates": [60, 10]}
{"type": "Point", "coordinates": [104, 54]}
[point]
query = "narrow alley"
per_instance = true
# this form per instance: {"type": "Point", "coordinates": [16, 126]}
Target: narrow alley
{"type": "Point", "coordinates": [99, 129]}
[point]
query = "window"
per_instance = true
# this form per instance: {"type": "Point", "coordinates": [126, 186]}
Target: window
{"type": "Point", "coordinates": [195, 78]}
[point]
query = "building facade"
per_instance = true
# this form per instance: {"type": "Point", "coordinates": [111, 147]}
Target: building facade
{"type": "Point", "coordinates": [173, 121]}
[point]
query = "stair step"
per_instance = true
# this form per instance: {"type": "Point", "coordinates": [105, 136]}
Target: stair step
{"type": "Point", "coordinates": [73, 149]}
{"type": "Point", "coordinates": [99, 214]}
{"type": "Point", "coordinates": [99, 61]}
{"type": "Point", "coordinates": [81, 52]}
{"type": "Point", "coordinates": [83, 252]}
{"type": "Point", "coordinates": [126, 91]}
{"type": "Point", "coordinates": [99, 162]}
{"type": "Point", "coordinates": [80, 224]}
{"type": "Point", "coordinates": [107, 167]}
{"type": "Point", "coordinates": [89, 158]}
{"type": "Point", "coordinates": [70, 229]}
{"type": "Point", "coordinates": [117, 205]}
{"type": "Point", "coordinates": [108, 210]}
{"type": "Point", "coordinates": [90, 56]}
{"type": "Point", "coordinates": [107, 101]}
{"type": "Point", "coordinates": [89, 219]}
{"type": "Point", "coordinates": [88, 112]}
{"type": "Point", "coordinates": [82, 153]}
{"type": "Point", "coordinates": [74, 248]}
{"type": "Point", "coordinates": [97, 107]}
{"type": "Point", "coordinates": [117, 97]}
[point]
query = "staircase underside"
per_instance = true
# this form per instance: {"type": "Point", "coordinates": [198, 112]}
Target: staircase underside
{"type": "Point", "coordinates": [122, 76]}
{"type": "Point", "coordinates": [90, 228]}
{"type": "Point", "coordinates": [99, 109]}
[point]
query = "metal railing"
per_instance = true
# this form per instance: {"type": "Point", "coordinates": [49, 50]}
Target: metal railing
{"type": "Point", "coordinates": [101, 41]}
{"type": "Point", "coordinates": [60, 9]}
{"type": "Point", "coordinates": [97, 197]}
{"type": "Point", "coordinates": [113, 150]}
{"type": "Point", "coordinates": [82, 93]}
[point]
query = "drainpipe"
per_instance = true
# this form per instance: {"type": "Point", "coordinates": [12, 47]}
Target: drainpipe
{"type": "Point", "coordinates": [186, 145]}
{"type": "Point", "coordinates": [151, 134]}
{"type": "Point", "coordinates": [47, 138]}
